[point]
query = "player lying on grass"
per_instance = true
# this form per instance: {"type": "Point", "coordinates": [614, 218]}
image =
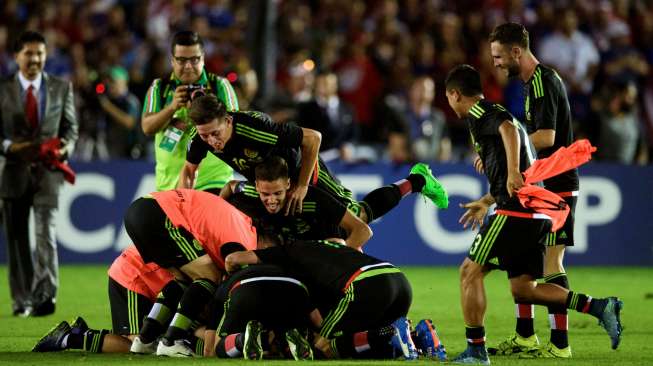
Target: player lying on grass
{"type": "Point", "coordinates": [189, 233]}
{"type": "Point", "coordinates": [381, 292]}
{"type": "Point", "coordinates": [133, 289]}
{"type": "Point", "coordinates": [513, 239]}
{"type": "Point", "coordinates": [322, 215]}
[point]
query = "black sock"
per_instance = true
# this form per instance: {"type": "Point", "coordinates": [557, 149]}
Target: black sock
{"type": "Point", "coordinates": [586, 304]}
{"type": "Point", "coordinates": [161, 312]}
{"type": "Point", "coordinates": [192, 302]}
{"type": "Point", "coordinates": [525, 314]}
{"type": "Point", "coordinates": [230, 346]}
{"type": "Point", "coordinates": [380, 201]}
{"type": "Point", "coordinates": [374, 344]}
{"type": "Point", "coordinates": [558, 314]}
{"type": "Point", "coordinates": [196, 344]}
{"type": "Point", "coordinates": [475, 336]}
{"type": "Point", "coordinates": [417, 181]}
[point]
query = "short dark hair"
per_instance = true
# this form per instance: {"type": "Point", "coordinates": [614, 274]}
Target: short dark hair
{"type": "Point", "coordinates": [465, 79]}
{"type": "Point", "coordinates": [510, 34]}
{"type": "Point", "coordinates": [273, 168]}
{"type": "Point", "coordinates": [186, 38]}
{"type": "Point", "coordinates": [27, 37]}
{"type": "Point", "coordinates": [206, 108]}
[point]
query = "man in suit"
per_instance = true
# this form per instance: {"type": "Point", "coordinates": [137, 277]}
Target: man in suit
{"type": "Point", "coordinates": [34, 107]}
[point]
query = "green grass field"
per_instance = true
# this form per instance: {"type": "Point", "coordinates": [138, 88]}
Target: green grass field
{"type": "Point", "coordinates": [435, 294]}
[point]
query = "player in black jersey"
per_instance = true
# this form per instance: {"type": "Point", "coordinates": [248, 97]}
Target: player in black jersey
{"type": "Point", "coordinates": [322, 216]}
{"type": "Point", "coordinates": [549, 125]}
{"type": "Point", "coordinates": [245, 139]}
{"type": "Point", "coordinates": [268, 295]}
{"type": "Point", "coordinates": [371, 293]}
{"type": "Point", "coordinates": [513, 239]}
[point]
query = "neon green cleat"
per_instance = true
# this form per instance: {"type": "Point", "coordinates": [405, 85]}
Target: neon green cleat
{"type": "Point", "coordinates": [548, 351]}
{"type": "Point", "coordinates": [432, 189]}
{"type": "Point", "coordinates": [252, 349]}
{"type": "Point", "coordinates": [515, 344]}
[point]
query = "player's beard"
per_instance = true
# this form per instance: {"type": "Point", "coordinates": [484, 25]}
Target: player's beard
{"type": "Point", "coordinates": [513, 70]}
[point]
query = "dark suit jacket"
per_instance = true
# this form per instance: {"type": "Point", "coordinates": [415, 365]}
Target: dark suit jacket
{"type": "Point", "coordinates": [58, 120]}
{"type": "Point", "coordinates": [334, 132]}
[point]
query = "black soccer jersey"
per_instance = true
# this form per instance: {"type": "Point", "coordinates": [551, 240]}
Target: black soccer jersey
{"type": "Point", "coordinates": [326, 264]}
{"type": "Point", "coordinates": [483, 121]}
{"type": "Point", "coordinates": [547, 107]}
{"type": "Point", "coordinates": [255, 137]}
{"type": "Point", "coordinates": [320, 217]}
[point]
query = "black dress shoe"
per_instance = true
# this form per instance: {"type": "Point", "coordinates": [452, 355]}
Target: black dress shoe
{"type": "Point", "coordinates": [19, 311]}
{"type": "Point", "coordinates": [44, 308]}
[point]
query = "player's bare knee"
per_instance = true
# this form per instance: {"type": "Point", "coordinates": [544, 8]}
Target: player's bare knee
{"type": "Point", "coordinates": [522, 290]}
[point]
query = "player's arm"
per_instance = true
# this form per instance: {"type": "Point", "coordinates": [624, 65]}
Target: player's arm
{"type": "Point", "coordinates": [310, 148]}
{"type": "Point", "coordinates": [543, 138]}
{"type": "Point", "coordinates": [154, 119]}
{"type": "Point", "coordinates": [510, 137]}
{"type": "Point", "coordinates": [358, 231]}
{"type": "Point", "coordinates": [238, 259]}
{"type": "Point", "coordinates": [476, 211]}
{"type": "Point", "coordinates": [187, 175]}
{"type": "Point", "coordinates": [229, 189]}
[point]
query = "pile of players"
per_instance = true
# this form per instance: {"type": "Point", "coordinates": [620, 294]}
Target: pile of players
{"type": "Point", "coordinates": [273, 266]}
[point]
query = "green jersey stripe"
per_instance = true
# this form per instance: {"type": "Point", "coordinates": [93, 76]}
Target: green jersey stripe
{"type": "Point", "coordinates": [258, 132]}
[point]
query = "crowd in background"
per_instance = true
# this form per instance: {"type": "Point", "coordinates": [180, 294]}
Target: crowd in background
{"type": "Point", "coordinates": [367, 73]}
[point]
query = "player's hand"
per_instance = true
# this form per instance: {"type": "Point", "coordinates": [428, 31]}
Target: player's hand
{"type": "Point", "coordinates": [295, 199]}
{"type": "Point", "coordinates": [180, 98]}
{"type": "Point", "coordinates": [478, 165]}
{"type": "Point", "coordinates": [514, 183]}
{"type": "Point", "coordinates": [475, 214]}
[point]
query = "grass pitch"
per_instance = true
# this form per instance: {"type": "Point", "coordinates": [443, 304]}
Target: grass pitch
{"type": "Point", "coordinates": [83, 292]}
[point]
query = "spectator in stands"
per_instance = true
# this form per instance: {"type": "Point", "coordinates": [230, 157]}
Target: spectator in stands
{"type": "Point", "coordinates": [332, 117]}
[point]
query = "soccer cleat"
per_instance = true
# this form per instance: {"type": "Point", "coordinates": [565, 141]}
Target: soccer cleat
{"type": "Point", "coordinates": [515, 344]}
{"type": "Point", "coordinates": [427, 340]}
{"type": "Point", "coordinates": [79, 325]}
{"type": "Point", "coordinates": [178, 349]}
{"type": "Point", "coordinates": [299, 346]}
{"type": "Point", "coordinates": [143, 348]}
{"type": "Point", "coordinates": [611, 321]}
{"type": "Point", "coordinates": [401, 341]}
{"type": "Point", "coordinates": [432, 189]}
{"type": "Point", "coordinates": [252, 349]}
{"type": "Point", "coordinates": [548, 351]}
{"type": "Point", "coordinates": [53, 340]}
{"type": "Point", "coordinates": [473, 355]}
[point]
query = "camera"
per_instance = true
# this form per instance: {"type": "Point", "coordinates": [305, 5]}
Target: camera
{"type": "Point", "coordinates": [195, 90]}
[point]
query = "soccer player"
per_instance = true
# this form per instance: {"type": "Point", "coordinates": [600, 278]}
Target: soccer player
{"type": "Point", "coordinates": [245, 139]}
{"type": "Point", "coordinates": [189, 233]}
{"type": "Point", "coordinates": [513, 239]}
{"type": "Point", "coordinates": [133, 289]}
{"type": "Point", "coordinates": [371, 293]}
{"type": "Point", "coordinates": [272, 298]}
{"type": "Point", "coordinates": [548, 122]}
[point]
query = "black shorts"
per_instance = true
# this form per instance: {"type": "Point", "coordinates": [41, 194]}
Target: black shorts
{"type": "Point", "coordinates": [369, 303]}
{"type": "Point", "coordinates": [512, 244]}
{"type": "Point", "coordinates": [565, 235]}
{"type": "Point", "coordinates": [277, 304]}
{"type": "Point", "coordinates": [327, 182]}
{"type": "Point", "coordinates": [128, 309]}
{"type": "Point", "coordinates": [156, 238]}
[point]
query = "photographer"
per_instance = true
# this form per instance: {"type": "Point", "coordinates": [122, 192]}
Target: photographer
{"type": "Point", "coordinates": [165, 114]}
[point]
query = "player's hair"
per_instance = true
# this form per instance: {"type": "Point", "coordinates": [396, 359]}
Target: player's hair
{"type": "Point", "coordinates": [27, 37]}
{"type": "Point", "coordinates": [510, 34]}
{"type": "Point", "coordinates": [185, 38]}
{"type": "Point", "coordinates": [205, 109]}
{"type": "Point", "coordinates": [273, 168]}
{"type": "Point", "coordinates": [465, 79]}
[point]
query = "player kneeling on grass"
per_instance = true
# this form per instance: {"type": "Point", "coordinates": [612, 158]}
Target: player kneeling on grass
{"type": "Point", "coordinates": [252, 301]}
{"type": "Point", "coordinates": [513, 240]}
{"type": "Point", "coordinates": [133, 289]}
{"type": "Point", "coordinates": [189, 233]}
{"type": "Point", "coordinates": [374, 296]}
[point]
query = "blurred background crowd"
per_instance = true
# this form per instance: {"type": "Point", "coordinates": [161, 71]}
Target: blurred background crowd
{"type": "Point", "coordinates": [368, 74]}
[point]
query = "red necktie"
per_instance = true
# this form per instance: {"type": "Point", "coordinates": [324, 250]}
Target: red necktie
{"type": "Point", "coordinates": [31, 108]}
